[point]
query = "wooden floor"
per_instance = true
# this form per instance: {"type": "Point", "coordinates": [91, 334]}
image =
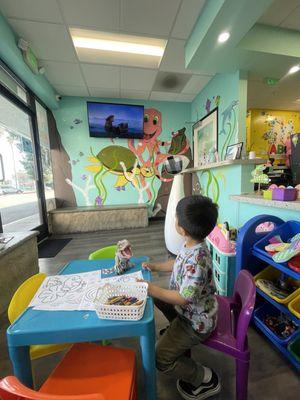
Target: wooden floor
{"type": "Point", "coordinates": [271, 378]}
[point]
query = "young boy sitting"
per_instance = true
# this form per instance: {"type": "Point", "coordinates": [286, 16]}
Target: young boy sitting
{"type": "Point", "coordinates": [192, 289]}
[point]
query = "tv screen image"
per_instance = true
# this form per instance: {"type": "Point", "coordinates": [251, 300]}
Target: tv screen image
{"type": "Point", "coordinates": [115, 120]}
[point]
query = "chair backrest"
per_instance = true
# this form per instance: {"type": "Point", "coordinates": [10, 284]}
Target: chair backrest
{"type": "Point", "coordinates": [105, 252]}
{"type": "Point", "coordinates": [12, 389]}
{"type": "Point", "coordinates": [244, 296]}
{"type": "Point", "coordinates": [23, 296]}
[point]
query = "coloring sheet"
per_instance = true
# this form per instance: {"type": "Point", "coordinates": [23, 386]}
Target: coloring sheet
{"type": "Point", "coordinates": [67, 292]}
{"type": "Point", "coordinates": [129, 277]}
{"type": "Point", "coordinates": [75, 291]}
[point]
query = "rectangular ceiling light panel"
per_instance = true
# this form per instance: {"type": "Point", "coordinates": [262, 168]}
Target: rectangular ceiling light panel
{"type": "Point", "coordinates": [115, 48]}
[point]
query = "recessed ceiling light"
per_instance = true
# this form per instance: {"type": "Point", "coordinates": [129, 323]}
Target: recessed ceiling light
{"type": "Point", "coordinates": [294, 69]}
{"type": "Point", "coordinates": [223, 37]}
{"type": "Point", "coordinates": [119, 43]}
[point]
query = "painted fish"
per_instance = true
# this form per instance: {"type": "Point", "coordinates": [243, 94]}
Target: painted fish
{"type": "Point", "coordinates": [227, 115]}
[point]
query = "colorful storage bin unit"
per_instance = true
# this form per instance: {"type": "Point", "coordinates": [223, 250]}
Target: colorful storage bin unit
{"type": "Point", "coordinates": [280, 194]}
{"type": "Point", "coordinates": [224, 269]}
{"type": "Point", "coordinates": [277, 310]}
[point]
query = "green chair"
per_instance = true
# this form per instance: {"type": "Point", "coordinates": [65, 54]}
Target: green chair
{"type": "Point", "coordinates": [105, 252]}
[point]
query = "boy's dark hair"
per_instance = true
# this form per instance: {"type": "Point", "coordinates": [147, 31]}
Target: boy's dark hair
{"type": "Point", "coordinates": [197, 215]}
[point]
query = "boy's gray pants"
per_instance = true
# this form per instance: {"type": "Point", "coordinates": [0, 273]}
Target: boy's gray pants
{"type": "Point", "coordinates": [172, 346]}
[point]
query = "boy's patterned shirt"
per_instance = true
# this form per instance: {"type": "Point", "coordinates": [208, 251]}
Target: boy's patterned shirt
{"type": "Point", "coordinates": [192, 277]}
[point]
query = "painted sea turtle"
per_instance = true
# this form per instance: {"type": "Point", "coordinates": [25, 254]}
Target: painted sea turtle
{"type": "Point", "coordinates": [120, 161]}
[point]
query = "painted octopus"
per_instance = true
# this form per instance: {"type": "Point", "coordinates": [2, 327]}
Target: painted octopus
{"type": "Point", "coordinates": [148, 150]}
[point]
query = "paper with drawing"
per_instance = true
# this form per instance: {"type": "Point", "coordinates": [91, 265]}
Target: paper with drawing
{"type": "Point", "coordinates": [75, 291]}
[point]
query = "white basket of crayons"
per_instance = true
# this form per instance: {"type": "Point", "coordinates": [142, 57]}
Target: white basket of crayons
{"type": "Point", "coordinates": [121, 302]}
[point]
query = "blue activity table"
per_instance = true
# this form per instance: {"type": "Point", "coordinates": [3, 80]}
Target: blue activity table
{"type": "Point", "coordinates": [47, 327]}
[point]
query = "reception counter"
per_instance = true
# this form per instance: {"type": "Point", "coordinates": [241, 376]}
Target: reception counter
{"type": "Point", "coordinates": [250, 204]}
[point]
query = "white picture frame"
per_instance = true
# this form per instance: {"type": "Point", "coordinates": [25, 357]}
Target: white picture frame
{"type": "Point", "coordinates": [205, 135]}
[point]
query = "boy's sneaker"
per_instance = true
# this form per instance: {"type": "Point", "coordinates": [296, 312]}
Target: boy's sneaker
{"type": "Point", "coordinates": [205, 390]}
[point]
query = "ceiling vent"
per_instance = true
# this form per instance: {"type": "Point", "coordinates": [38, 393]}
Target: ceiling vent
{"type": "Point", "coordinates": [170, 82]}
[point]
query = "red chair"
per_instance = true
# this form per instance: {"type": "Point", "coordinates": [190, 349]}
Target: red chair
{"type": "Point", "coordinates": [87, 372]}
{"type": "Point", "coordinates": [230, 337]}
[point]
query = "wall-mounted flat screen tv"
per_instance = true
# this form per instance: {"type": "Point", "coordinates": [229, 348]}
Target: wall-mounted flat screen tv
{"type": "Point", "coordinates": [115, 120]}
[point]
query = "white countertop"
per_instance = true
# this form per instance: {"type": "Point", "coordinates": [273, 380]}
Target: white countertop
{"type": "Point", "coordinates": [255, 161]}
{"type": "Point", "coordinates": [252, 198]}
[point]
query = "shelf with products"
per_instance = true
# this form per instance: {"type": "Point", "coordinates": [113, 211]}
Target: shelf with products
{"type": "Point", "coordinates": [250, 256]}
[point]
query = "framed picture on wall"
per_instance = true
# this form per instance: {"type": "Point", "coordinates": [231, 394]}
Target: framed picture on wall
{"type": "Point", "coordinates": [205, 134]}
{"type": "Point", "coordinates": [234, 151]}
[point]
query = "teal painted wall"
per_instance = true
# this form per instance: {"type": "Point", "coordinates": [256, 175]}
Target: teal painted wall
{"type": "Point", "coordinates": [80, 148]}
{"type": "Point", "coordinates": [228, 92]}
{"type": "Point", "coordinates": [246, 211]}
{"type": "Point", "coordinates": [12, 56]}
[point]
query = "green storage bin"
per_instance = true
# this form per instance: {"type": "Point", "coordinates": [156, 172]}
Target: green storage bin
{"type": "Point", "coordinates": [294, 348]}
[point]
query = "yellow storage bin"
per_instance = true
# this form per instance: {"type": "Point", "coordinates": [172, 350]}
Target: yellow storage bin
{"type": "Point", "coordinates": [268, 194]}
{"type": "Point", "coordinates": [272, 274]}
{"type": "Point", "coordinates": [294, 306]}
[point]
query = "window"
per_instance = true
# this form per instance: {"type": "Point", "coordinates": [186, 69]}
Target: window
{"type": "Point", "coordinates": [19, 196]}
{"type": "Point", "coordinates": [12, 85]}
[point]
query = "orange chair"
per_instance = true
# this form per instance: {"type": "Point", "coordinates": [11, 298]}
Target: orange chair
{"type": "Point", "coordinates": [87, 372]}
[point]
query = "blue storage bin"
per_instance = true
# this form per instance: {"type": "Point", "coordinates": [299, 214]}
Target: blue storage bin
{"type": "Point", "coordinates": [286, 231]}
{"type": "Point", "coordinates": [269, 309]}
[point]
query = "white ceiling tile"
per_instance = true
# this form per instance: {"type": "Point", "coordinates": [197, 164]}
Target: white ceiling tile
{"type": "Point", "coordinates": [278, 11]}
{"type": "Point", "coordinates": [34, 10]}
{"type": "Point", "coordinates": [187, 98]}
{"type": "Point", "coordinates": [102, 14]}
{"type": "Point", "coordinates": [134, 94]}
{"type": "Point", "coordinates": [292, 21]}
{"type": "Point", "coordinates": [137, 78]}
{"type": "Point", "coordinates": [196, 83]}
{"type": "Point", "coordinates": [186, 18]}
{"type": "Point", "coordinates": [164, 96]}
{"type": "Point", "coordinates": [63, 73]}
{"type": "Point", "coordinates": [66, 90]}
{"type": "Point", "coordinates": [103, 92]}
{"type": "Point", "coordinates": [49, 41]}
{"type": "Point", "coordinates": [101, 76]}
{"type": "Point", "coordinates": [152, 17]}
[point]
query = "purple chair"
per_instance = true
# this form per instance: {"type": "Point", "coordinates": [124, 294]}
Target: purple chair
{"type": "Point", "coordinates": [230, 336]}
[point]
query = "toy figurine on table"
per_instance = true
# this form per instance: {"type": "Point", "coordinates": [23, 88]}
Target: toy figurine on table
{"type": "Point", "coordinates": [122, 257]}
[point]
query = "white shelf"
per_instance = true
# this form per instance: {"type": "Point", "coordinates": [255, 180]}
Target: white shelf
{"type": "Point", "coordinates": [255, 161]}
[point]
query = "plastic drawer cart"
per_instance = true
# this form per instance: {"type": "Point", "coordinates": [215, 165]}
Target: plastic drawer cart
{"type": "Point", "coordinates": [250, 255]}
{"type": "Point", "coordinates": [224, 269]}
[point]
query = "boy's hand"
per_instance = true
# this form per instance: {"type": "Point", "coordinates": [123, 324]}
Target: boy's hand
{"type": "Point", "coordinates": [150, 286]}
{"type": "Point", "coordinates": [149, 266]}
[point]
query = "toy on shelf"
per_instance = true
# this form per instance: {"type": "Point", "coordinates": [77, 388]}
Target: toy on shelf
{"type": "Point", "coordinates": [122, 257]}
{"type": "Point", "coordinates": [281, 251]}
{"type": "Point", "coordinates": [223, 238]}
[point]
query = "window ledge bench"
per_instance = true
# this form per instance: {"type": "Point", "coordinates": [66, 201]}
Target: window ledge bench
{"type": "Point", "coordinates": [92, 219]}
{"type": "Point", "coordinates": [18, 261]}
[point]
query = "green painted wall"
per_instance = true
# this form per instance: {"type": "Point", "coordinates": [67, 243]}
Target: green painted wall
{"type": "Point", "coordinates": [92, 185]}
{"type": "Point", "coordinates": [12, 56]}
{"type": "Point", "coordinates": [229, 93]}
